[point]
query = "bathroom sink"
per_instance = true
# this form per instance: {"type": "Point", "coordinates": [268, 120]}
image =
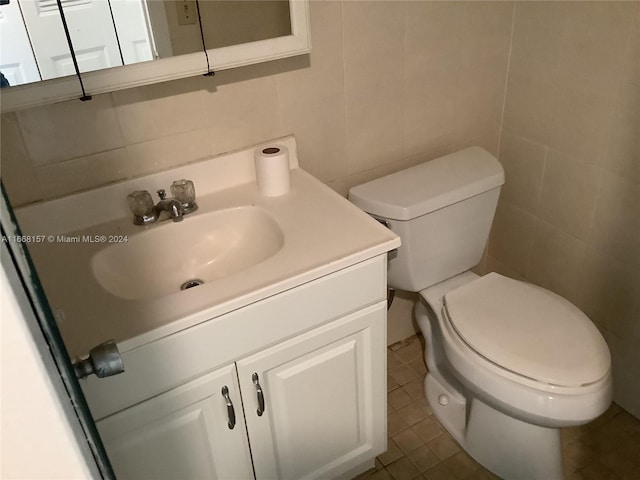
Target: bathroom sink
{"type": "Point", "coordinates": [171, 257]}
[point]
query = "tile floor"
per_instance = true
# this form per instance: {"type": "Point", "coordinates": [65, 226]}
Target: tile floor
{"type": "Point", "coordinates": [420, 448]}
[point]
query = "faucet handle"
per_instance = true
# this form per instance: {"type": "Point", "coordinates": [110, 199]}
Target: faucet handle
{"type": "Point", "coordinates": [184, 191]}
{"type": "Point", "coordinates": [162, 193]}
{"type": "Point", "coordinates": [141, 204]}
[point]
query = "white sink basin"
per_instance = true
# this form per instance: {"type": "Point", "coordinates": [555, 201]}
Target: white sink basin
{"type": "Point", "coordinates": [202, 248]}
{"type": "Point", "coordinates": [235, 243]}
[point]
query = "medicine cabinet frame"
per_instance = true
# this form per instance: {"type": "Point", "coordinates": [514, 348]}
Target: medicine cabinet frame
{"type": "Point", "coordinates": [165, 69]}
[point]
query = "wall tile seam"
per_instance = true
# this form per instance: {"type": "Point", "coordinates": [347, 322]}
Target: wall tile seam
{"type": "Point", "coordinates": [521, 214]}
{"type": "Point", "coordinates": [344, 91]}
{"type": "Point", "coordinates": [54, 165]}
{"type": "Point", "coordinates": [504, 102]}
{"type": "Point", "coordinates": [114, 106]}
{"type": "Point", "coordinates": [578, 286]}
{"type": "Point", "coordinates": [125, 148]}
{"type": "Point", "coordinates": [405, 23]}
{"type": "Point", "coordinates": [32, 165]}
{"type": "Point", "coordinates": [378, 84]}
{"type": "Point", "coordinates": [544, 170]}
{"type": "Point", "coordinates": [613, 261]}
{"type": "Point", "coordinates": [23, 143]}
{"type": "Point", "coordinates": [598, 196]}
{"type": "Point", "coordinates": [506, 79]}
{"type": "Point", "coordinates": [344, 97]}
{"type": "Point", "coordinates": [601, 173]}
{"type": "Point", "coordinates": [527, 271]}
{"type": "Point", "coordinates": [620, 89]}
{"type": "Point", "coordinates": [403, 146]}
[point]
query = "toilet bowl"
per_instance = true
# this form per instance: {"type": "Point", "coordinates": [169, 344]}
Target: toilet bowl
{"type": "Point", "coordinates": [509, 363]}
{"type": "Point", "coordinates": [502, 402]}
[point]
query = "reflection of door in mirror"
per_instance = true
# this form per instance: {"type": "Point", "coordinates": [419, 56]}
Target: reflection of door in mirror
{"type": "Point", "coordinates": [91, 26]}
{"type": "Point", "coordinates": [17, 63]}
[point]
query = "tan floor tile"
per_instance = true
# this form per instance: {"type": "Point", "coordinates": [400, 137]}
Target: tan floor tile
{"type": "Point", "coordinates": [443, 446]}
{"type": "Point", "coordinates": [427, 429]}
{"type": "Point", "coordinates": [418, 366]}
{"type": "Point", "coordinates": [395, 424]}
{"type": "Point", "coordinates": [621, 465]}
{"type": "Point", "coordinates": [605, 449]}
{"type": "Point", "coordinates": [439, 472]}
{"type": "Point", "coordinates": [490, 475]}
{"type": "Point", "coordinates": [461, 465]}
{"type": "Point", "coordinates": [604, 438]}
{"type": "Point", "coordinates": [572, 434]}
{"type": "Point", "coordinates": [631, 450]}
{"type": "Point", "coordinates": [380, 475]}
{"type": "Point", "coordinates": [425, 405]}
{"type": "Point", "coordinates": [423, 458]}
{"type": "Point", "coordinates": [366, 475]}
{"type": "Point", "coordinates": [597, 471]}
{"type": "Point", "coordinates": [392, 454]}
{"type": "Point", "coordinates": [398, 398]}
{"type": "Point", "coordinates": [403, 469]}
{"type": "Point", "coordinates": [392, 360]}
{"type": "Point", "coordinates": [577, 455]}
{"type": "Point", "coordinates": [415, 389]}
{"type": "Point", "coordinates": [417, 343]}
{"type": "Point", "coordinates": [626, 422]}
{"type": "Point", "coordinates": [407, 440]}
{"type": "Point", "coordinates": [403, 375]}
{"type": "Point", "coordinates": [408, 353]}
{"type": "Point", "coordinates": [399, 345]}
{"type": "Point", "coordinates": [606, 417]}
{"type": "Point", "coordinates": [391, 383]}
{"type": "Point", "coordinates": [413, 413]}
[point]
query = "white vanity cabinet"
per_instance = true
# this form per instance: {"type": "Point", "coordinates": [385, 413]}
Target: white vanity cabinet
{"type": "Point", "coordinates": [182, 434]}
{"type": "Point", "coordinates": [309, 320]}
{"type": "Point", "coordinates": [324, 399]}
{"type": "Point", "coordinates": [321, 375]}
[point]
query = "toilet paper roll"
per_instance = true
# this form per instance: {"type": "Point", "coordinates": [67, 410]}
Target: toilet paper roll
{"type": "Point", "coordinates": [272, 170]}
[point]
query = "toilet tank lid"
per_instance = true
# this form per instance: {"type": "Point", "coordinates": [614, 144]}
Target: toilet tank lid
{"type": "Point", "coordinates": [432, 185]}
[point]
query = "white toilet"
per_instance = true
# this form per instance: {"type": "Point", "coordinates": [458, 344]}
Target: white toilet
{"type": "Point", "coordinates": [509, 362]}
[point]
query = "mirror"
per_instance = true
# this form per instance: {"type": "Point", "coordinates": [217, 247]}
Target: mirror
{"type": "Point", "coordinates": [125, 43]}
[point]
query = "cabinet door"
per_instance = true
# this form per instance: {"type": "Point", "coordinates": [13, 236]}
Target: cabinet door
{"type": "Point", "coordinates": [324, 399]}
{"type": "Point", "coordinates": [181, 434]}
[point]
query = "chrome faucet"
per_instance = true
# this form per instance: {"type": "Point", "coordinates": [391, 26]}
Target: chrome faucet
{"type": "Point", "coordinates": [145, 212]}
{"type": "Point", "coordinates": [171, 205]}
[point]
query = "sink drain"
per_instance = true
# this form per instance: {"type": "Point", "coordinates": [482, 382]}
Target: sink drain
{"type": "Point", "coordinates": [191, 283]}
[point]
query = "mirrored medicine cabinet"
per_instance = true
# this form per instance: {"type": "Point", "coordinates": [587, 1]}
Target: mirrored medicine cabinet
{"type": "Point", "coordinates": [127, 43]}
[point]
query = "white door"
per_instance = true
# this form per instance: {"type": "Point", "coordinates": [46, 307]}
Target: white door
{"type": "Point", "coordinates": [324, 399]}
{"type": "Point", "coordinates": [182, 434]}
{"type": "Point", "coordinates": [130, 19]}
{"type": "Point", "coordinates": [17, 62]}
{"type": "Point", "coordinates": [91, 29]}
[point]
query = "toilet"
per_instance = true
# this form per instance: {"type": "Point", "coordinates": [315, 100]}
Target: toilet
{"type": "Point", "coordinates": [509, 363]}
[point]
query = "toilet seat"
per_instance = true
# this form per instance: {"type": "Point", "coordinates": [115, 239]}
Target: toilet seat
{"type": "Point", "coordinates": [528, 331]}
{"type": "Point", "coordinates": [523, 397]}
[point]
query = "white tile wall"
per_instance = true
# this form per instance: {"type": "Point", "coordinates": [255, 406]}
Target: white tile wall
{"type": "Point", "coordinates": [393, 83]}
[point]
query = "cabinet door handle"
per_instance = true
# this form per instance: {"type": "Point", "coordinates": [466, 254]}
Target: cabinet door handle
{"type": "Point", "coordinates": [230, 411]}
{"type": "Point", "coordinates": [259, 393]}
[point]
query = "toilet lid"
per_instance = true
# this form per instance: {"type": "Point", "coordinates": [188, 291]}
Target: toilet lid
{"type": "Point", "coordinates": [528, 330]}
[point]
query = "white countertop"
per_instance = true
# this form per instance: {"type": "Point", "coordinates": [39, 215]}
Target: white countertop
{"type": "Point", "coordinates": [323, 233]}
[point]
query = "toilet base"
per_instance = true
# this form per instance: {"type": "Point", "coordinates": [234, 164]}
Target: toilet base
{"type": "Point", "coordinates": [510, 448]}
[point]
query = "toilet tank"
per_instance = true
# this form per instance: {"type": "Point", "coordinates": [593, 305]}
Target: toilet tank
{"type": "Point", "coordinates": [441, 209]}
